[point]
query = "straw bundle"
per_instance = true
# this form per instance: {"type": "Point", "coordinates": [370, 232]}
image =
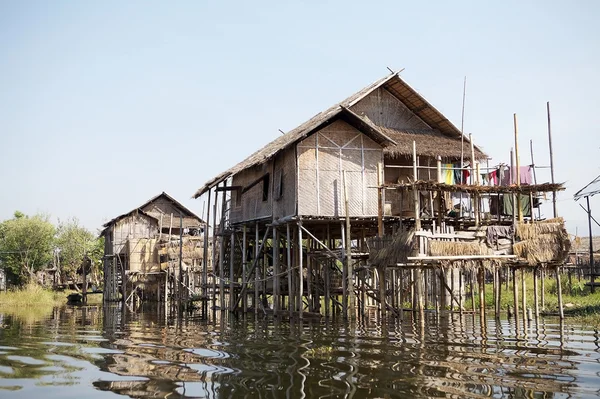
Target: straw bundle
{"type": "Point", "coordinates": [384, 251]}
{"type": "Point", "coordinates": [526, 231]}
{"type": "Point", "coordinates": [458, 248]}
{"type": "Point", "coordinates": [544, 248]}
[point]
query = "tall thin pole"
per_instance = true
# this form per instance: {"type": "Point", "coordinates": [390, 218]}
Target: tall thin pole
{"type": "Point", "coordinates": [517, 168]}
{"type": "Point", "coordinates": [534, 179]}
{"type": "Point", "coordinates": [180, 279]}
{"type": "Point", "coordinates": [592, 268]}
{"type": "Point", "coordinates": [551, 159]}
{"type": "Point", "coordinates": [462, 129]}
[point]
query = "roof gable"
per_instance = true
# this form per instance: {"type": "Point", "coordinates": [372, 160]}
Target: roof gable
{"type": "Point", "coordinates": [393, 84]}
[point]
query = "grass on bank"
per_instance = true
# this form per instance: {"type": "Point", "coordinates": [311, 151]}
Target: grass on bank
{"type": "Point", "coordinates": [32, 295]}
{"type": "Point", "coordinates": [578, 300]}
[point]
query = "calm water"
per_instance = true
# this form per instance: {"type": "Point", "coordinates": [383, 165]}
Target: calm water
{"type": "Point", "coordinates": [89, 352]}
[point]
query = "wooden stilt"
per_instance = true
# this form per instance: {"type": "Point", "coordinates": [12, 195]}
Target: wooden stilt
{"type": "Point", "coordinates": [535, 293]}
{"type": "Point", "coordinates": [515, 298]}
{"type": "Point", "coordinates": [559, 290]}
{"type": "Point", "coordinates": [300, 273]}
{"type": "Point", "coordinates": [244, 265]}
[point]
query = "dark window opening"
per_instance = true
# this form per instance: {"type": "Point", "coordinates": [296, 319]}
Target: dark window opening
{"type": "Point", "coordinates": [278, 183]}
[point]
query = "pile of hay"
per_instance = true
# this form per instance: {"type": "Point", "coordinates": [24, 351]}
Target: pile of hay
{"type": "Point", "coordinates": [542, 242]}
{"type": "Point", "coordinates": [458, 248]}
{"type": "Point", "coordinates": [385, 251]}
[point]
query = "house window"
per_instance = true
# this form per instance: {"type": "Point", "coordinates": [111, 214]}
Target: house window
{"type": "Point", "coordinates": [265, 192]}
{"type": "Point", "coordinates": [278, 184]}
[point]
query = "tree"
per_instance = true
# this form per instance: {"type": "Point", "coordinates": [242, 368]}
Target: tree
{"type": "Point", "coordinates": [26, 245]}
{"type": "Point", "coordinates": [76, 243]}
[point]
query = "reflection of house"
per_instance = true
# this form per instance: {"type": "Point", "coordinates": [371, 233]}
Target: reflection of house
{"type": "Point", "coordinates": [143, 247]}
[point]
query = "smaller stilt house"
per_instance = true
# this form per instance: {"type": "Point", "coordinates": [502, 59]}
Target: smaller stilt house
{"type": "Point", "coordinates": [152, 251]}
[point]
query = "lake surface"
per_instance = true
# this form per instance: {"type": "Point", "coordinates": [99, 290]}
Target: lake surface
{"type": "Point", "coordinates": [95, 352]}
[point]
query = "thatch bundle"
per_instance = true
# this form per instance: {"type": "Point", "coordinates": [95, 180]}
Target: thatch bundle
{"type": "Point", "coordinates": [542, 242]}
{"type": "Point", "coordinates": [458, 248]}
{"type": "Point", "coordinates": [384, 251]}
{"type": "Point", "coordinates": [526, 231]}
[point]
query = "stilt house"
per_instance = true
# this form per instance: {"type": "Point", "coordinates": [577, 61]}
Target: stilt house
{"type": "Point", "coordinates": [150, 245]}
{"type": "Point", "coordinates": [306, 206]}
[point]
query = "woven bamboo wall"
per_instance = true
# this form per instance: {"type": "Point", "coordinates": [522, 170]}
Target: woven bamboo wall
{"type": "Point", "coordinates": [133, 226]}
{"type": "Point", "coordinates": [386, 110]}
{"type": "Point", "coordinates": [323, 157]}
{"type": "Point", "coordinates": [143, 255]}
{"type": "Point", "coordinates": [250, 204]}
{"type": "Point", "coordinates": [284, 166]}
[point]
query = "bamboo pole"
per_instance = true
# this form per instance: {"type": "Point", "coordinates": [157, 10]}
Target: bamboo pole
{"type": "Point", "coordinates": [535, 293]}
{"type": "Point", "coordinates": [518, 171]}
{"type": "Point", "coordinates": [256, 269]}
{"type": "Point", "coordinates": [205, 260]}
{"type": "Point", "coordinates": [380, 204]}
{"type": "Point", "coordinates": [551, 159]}
{"type": "Point", "coordinates": [301, 278]}
{"type": "Point", "coordinates": [327, 276]}
{"type": "Point", "coordinates": [288, 246]}
{"type": "Point", "coordinates": [592, 266]}
{"type": "Point", "coordinates": [350, 274]}
{"type": "Point", "coordinates": [560, 299]}
{"type": "Point", "coordinates": [415, 192]}
{"type": "Point", "coordinates": [276, 272]}
{"type": "Point", "coordinates": [515, 298]}
{"type": "Point", "coordinates": [231, 271]}
{"type": "Point", "coordinates": [244, 264]}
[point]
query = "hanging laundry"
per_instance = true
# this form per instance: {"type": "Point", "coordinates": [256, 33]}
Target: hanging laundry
{"type": "Point", "coordinates": [505, 176]}
{"type": "Point", "coordinates": [448, 173]}
{"type": "Point", "coordinates": [458, 174]}
{"type": "Point", "coordinates": [525, 174]}
{"type": "Point", "coordinates": [494, 178]}
{"type": "Point", "coordinates": [508, 205]}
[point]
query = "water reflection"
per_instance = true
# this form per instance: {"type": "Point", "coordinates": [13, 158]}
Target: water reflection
{"type": "Point", "coordinates": [97, 352]}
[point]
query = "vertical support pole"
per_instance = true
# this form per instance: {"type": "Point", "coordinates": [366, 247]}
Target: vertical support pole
{"type": "Point", "coordinates": [535, 293]}
{"type": "Point", "coordinates": [518, 169]}
{"type": "Point", "coordinates": [415, 192]}
{"type": "Point", "coordinates": [214, 253]}
{"type": "Point", "coordinates": [205, 258]}
{"type": "Point", "coordinates": [288, 246]}
{"type": "Point", "coordinates": [515, 298]}
{"type": "Point", "coordinates": [244, 271]}
{"type": "Point", "coordinates": [180, 290]}
{"type": "Point", "coordinates": [482, 291]}
{"type": "Point", "coordinates": [232, 298]}
{"type": "Point", "coordinates": [380, 204]}
{"type": "Point", "coordinates": [257, 268]}
{"type": "Point", "coordinates": [551, 159]}
{"type": "Point", "coordinates": [276, 272]}
{"type": "Point", "coordinates": [559, 290]}
{"type": "Point", "coordinates": [349, 272]}
{"type": "Point", "coordinates": [300, 272]}
{"type": "Point", "coordinates": [344, 274]}
{"type": "Point", "coordinates": [592, 266]}
{"type": "Point", "coordinates": [524, 297]}
{"type": "Point", "coordinates": [327, 276]}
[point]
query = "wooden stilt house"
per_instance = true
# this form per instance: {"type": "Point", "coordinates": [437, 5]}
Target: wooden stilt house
{"type": "Point", "coordinates": [296, 219]}
{"type": "Point", "coordinates": [152, 250]}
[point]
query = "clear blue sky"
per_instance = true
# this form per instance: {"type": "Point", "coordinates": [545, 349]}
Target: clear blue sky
{"type": "Point", "coordinates": [105, 104]}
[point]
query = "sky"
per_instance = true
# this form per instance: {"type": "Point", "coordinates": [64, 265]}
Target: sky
{"type": "Point", "coordinates": [105, 104]}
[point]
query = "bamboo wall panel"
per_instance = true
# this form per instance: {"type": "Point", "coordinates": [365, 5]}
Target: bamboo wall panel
{"type": "Point", "coordinates": [162, 206]}
{"type": "Point", "coordinates": [251, 205]}
{"type": "Point", "coordinates": [322, 160]}
{"type": "Point", "coordinates": [386, 110]}
{"type": "Point", "coordinates": [285, 162]}
{"type": "Point", "coordinates": [133, 226]}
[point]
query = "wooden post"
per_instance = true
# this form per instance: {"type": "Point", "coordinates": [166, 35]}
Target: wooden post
{"type": "Point", "coordinates": [349, 273]}
{"type": "Point", "coordinates": [327, 276]}
{"type": "Point", "coordinates": [518, 171]}
{"type": "Point", "coordinates": [524, 297]}
{"type": "Point", "coordinates": [592, 265]}
{"type": "Point", "coordinates": [180, 290]}
{"type": "Point", "coordinates": [415, 192]}
{"type": "Point", "coordinates": [551, 160]}
{"type": "Point", "coordinates": [535, 292]}
{"type": "Point", "coordinates": [380, 204]}
{"type": "Point", "coordinates": [244, 263]}
{"type": "Point", "coordinates": [559, 290]}
{"type": "Point", "coordinates": [214, 253]}
{"type": "Point", "coordinates": [515, 297]}
{"type": "Point", "coordinates": [232, 298]}
{"type": "Point", "coordinates": [288, 246]}
{"type": "Point", "coordinates": [205, 260]}
{"type": "Point", "coordinates": [300, 257]}
{"type": "Point", "coordinates": [276, 271]}
{"type": "Point", "coordinates": [344, 274]}
{"type": "Point", "coordinates": [257, 268]}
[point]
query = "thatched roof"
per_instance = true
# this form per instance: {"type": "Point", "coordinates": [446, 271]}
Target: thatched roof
{"type": "Point", "coordinates": [396, 143]}
{"type": "Point", "coordinates": [429, 142]}
{"type": "Point", "coordinates": [582, 244]}
{"type": "Point", "coordinates": [140, 210]}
